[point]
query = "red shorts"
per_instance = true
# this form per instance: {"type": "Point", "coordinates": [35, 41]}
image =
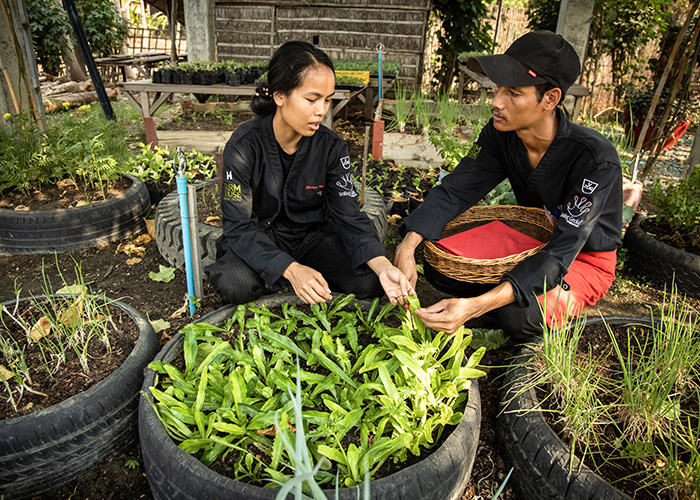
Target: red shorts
{"type": "Point", "coordinates": [588, 279]}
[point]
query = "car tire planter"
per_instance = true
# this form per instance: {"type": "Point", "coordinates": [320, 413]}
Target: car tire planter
{"type": "Point", "coordinates": [46, 449]}
{"type": "Point", "coordinates": [661, 263]}
{"type": "Point", "coordinates": [543, 468]}
{"type": "Point", "coordinates": [175, 475]}
{"type": "Point", "coordinates": [169, 227]}
{"type": "Point", "coordinates": [66, 229]}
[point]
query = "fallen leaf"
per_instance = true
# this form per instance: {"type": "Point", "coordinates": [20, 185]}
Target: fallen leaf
{"type": "Point", "coordinates": [81, 203]}
{"type": "Point", "coordinates": [151, 228]}
{"type": "Point", "coordinates": [212, 218]}
{"type": "Point", "coordinates": [21, 208]}
{"type": "Point", "coordinates": [131, 249]}
{"type": "Point", "coordinates": [184, 309]}
{"type": "Point", "coordinates": [143, 239]}
{"type": "Point", "coordinates": [73, 315]}
{"type": "Point", "coordinates": [133, 260]}
{"type": "Point", "coordinates": [5, 374]}
{"type": "Point", "coordinates": [159, 325]}
{"type": "Point", "coordinates": [165, 274]}
{"type": "Point", "coordinates": [40, 329]}
{"type": "Point", "coordinates": [270, 431]}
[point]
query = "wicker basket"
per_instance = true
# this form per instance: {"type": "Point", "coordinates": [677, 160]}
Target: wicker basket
{"type": "Point", "coordinates": [527, 220]}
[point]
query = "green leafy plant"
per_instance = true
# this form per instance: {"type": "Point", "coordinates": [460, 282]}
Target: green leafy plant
{"type": "Point", "coordinates": [81, 145]}
{"type": "Point", "coordinates": [378, 375]}
{"type": "Point", "coordinates": [155, 165]}
{"type": "Point", "coordinates": [450, 147]}
{"type": "Point", "coordinates": [678, 203]}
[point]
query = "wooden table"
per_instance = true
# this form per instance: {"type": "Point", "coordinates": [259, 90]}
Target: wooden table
{"type": "Point", "coordinates": [142, 61]}
{"type": "Point", "coordinates": [576, 91]}
{"type": "Point", "coordinates": [147, 97]}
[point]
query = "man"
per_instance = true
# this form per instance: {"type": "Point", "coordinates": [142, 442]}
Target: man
{"type": "Point", "coordinates": [571, 171]}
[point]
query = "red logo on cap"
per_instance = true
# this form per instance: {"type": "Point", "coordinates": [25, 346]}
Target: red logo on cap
{"type": "Point", "coordinates": [532, 73]}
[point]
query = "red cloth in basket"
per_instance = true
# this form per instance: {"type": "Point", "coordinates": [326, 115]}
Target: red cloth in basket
{"type": "Point", "coordinates": [494, 240]}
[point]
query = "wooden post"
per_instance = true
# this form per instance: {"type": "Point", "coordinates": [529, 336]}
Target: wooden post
{"type": "Point", "coordinates": [377, 139]}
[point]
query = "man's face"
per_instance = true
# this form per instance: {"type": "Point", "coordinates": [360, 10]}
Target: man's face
{"type": "Point", "coordinates": [517, 108]}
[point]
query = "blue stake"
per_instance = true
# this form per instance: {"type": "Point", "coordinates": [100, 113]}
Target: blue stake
{"type": "Point", "coordinates": [181, 181]}
{"type": "Point", "coordinates": [380, 48]}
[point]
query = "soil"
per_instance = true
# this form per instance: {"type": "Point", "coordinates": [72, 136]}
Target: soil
{"type": "Point", "coordinates": [121, 270]}
{"type": "Point", "coordinates": [64, 194]}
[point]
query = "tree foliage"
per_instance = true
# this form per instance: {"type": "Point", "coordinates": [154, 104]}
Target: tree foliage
{"type": "Point", "coordinates": [463, 30]}
{"type": "Point", "coordinates": [103, 25]}
{"type": "Point", "coordinates": [49, 28]}
{"type": "Point", "coordinates": [618, 28]}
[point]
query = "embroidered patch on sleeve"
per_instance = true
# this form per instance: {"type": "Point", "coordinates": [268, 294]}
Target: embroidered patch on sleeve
{"type": "Point", "coordinates": [474, 151]}
{"type": "Point", "coordinates": [345, 162]}
{"type": "Point", "coordinates": [232, 192]}
{"type": "Point", "coordinates": [346, 186]}
{"type": "Point", "coordinates": [588, 186]}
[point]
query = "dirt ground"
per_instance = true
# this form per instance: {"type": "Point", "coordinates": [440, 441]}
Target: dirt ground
{"type": "Point", "coordinates": [120, 276]}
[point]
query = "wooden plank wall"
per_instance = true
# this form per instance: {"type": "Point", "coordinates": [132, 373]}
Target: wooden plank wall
{"type": "Point", "coordinates": [344, 29]}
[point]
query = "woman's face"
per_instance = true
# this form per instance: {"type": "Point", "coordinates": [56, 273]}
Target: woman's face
{"type": "Point", "coordinates": [302, 111]}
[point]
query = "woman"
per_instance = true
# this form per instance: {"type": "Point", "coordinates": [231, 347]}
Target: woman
{"type": "Point", "coordinates": [289, 208]}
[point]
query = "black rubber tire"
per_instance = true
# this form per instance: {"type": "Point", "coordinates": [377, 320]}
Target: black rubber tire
{"type": "Point", "coordinates": [63, 230]}
{"type": "Point", "coordinates": [543, 468]}
{"type": "Point", "coordinates": [661, 263]}
{"type": "Point", "coordinates": [175, 475]}
{"type": "Point", "coordinates": [169, 227]}
{"type": "Point", "coordinates": [46, 449]}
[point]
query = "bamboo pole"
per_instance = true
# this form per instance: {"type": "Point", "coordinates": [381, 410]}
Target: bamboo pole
{"type": "Point", "coordinates": [662, 80]}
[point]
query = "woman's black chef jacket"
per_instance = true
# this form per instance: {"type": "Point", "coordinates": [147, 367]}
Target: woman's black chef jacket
{"type": "Point", "coordinates": [318, 189]}
{"type": "Point", "coordinates": [578, 181]}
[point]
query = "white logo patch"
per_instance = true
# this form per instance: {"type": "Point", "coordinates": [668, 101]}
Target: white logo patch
{"type": "Point", "coordinates": [579, 206]}
{"type": "Point", "coordinates": [345, 162]}
{"type": "Point", "coordinates": [229, 176]}
{"type": "Point", "coordinates": [588, 186]}
{"type": "Point", "coordinates": [346, 186]}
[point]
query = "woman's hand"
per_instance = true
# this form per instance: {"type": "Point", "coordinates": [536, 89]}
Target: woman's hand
{"type": "Point", "coordinates": [405, 259]}
{"type": "Point", "coordinates": [309, 285]}
{"type": "Point", "coordinates": [393, 281]}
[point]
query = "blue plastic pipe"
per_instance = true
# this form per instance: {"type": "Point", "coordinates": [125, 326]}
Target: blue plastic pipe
{"type": "Point", "coordinates": [379, 95]}
{"type": "Point", "coordinates": [181, 181]}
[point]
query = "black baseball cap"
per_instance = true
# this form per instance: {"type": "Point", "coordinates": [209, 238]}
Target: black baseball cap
{"type": "Point", "coordinates": [536, 57]}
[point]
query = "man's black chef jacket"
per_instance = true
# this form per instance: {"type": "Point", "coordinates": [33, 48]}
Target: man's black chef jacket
{"type": "Point", "coordinates": [318, 189]}
{"type": "Point", "coordinates": [578, 181]}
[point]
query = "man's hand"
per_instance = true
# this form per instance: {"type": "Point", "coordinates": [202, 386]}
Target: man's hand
{"type": "Point", "coordinates": [449, 314]}
{"type": "Point", "coordinates": [393, 281]}
{"type": "Point", "coordinates": [405, 258]}
{"type": "Point", "coordinates": [308, 284]}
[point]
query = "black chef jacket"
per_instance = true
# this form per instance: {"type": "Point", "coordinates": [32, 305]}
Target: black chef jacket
{"type": "Point", "coordinates": [578, 181]}
{"type": "Point", "coordinates": [318, 190]}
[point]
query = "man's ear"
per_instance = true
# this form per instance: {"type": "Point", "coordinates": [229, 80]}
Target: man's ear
{"type": "Point", "coordinates": [551, 98]}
